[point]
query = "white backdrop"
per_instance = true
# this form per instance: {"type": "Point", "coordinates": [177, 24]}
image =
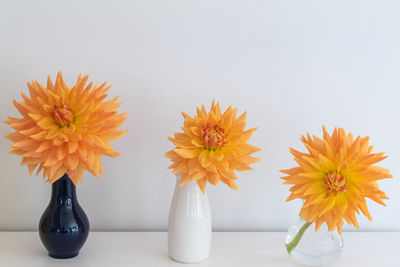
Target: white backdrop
{"type": "Point", "coordinates": [293, 65]}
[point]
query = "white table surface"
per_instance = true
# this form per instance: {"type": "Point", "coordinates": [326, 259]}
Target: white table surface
{"type": "Point", "coordinates": [144, 249]}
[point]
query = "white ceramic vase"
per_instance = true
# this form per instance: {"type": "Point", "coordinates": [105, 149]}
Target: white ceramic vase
{"type": "Point", "coordinates": [189, 224]}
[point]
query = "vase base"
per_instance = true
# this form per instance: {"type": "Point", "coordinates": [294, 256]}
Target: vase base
{"type": "Point", "coordinates": [68, 256]}
{"type": "Point", "coordinates": [312, 260]}
{"type": "Point", "coordinates": [189, 261]}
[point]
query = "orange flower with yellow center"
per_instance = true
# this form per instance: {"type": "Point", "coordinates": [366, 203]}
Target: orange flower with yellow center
{"type": "Point", "coordinates": [212, 146]}
{"type": "Point", "coordinates": [65, 130]}
{"type": "Point", "coordinates": [335, 177]}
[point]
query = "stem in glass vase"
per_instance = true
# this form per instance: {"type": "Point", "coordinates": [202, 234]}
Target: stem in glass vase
{"type": "Point", "coordinates": [293, 244]}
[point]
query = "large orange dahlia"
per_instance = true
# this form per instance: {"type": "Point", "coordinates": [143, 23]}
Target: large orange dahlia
{"type": "Point", "coordinates": [335, 177]}
{"type": "Point", "coordinates": [65, 130]}
{"type": "Point", "coordinates": [212, 146]}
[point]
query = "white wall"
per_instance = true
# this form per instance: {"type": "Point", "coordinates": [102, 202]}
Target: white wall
{"type": "Point", "coordinates": [293, 65]}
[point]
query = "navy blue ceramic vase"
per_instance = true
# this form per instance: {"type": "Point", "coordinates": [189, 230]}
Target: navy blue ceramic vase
{"type": "Point", "coordinates": [64, 226]}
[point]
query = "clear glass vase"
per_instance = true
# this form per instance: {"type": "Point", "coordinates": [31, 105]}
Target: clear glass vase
{"type": "Point", "coordinates": [315, 248]}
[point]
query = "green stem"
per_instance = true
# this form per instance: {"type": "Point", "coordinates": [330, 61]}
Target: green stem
{"type": "Point", "coordinates": [293, 244]}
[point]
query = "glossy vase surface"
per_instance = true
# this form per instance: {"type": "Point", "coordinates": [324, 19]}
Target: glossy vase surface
{"type": "Point", "coordinates": [64, 226]}
{"type": "Point", "coordinates": [189, 224]}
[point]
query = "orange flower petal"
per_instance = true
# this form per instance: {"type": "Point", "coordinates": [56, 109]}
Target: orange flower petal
{"type": "Point", "coordinates": [211, 146]}
{"type": "Point", "coordinates": [335, 177]}
{"type": "Point", "coordinates": [44, 140]}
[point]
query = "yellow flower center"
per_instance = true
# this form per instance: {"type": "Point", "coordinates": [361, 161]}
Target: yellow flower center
{"type": "Point", "coordinates": [63, 114]}
{"type": "Point", "coordinates": [336, 183]}
{"type": "Point", "coordinates": [213, 136]}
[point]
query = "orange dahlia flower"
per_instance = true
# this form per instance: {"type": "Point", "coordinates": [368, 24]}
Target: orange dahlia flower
{"type": "Point", "coordinates": [65, 130]}
{"type": "Point", "coordinates": [335, 177]}
{"type": "Point", "coordinates": [212, 146]}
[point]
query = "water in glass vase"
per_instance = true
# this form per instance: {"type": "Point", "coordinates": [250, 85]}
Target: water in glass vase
{"type": "Point", "coordinates": [314, 248]}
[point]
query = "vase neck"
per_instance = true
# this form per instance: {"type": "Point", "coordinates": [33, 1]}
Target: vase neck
{"type": "Point", "coordinates": [63, 188]}
{"type": "Point", "coordinates": [190, 185]}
